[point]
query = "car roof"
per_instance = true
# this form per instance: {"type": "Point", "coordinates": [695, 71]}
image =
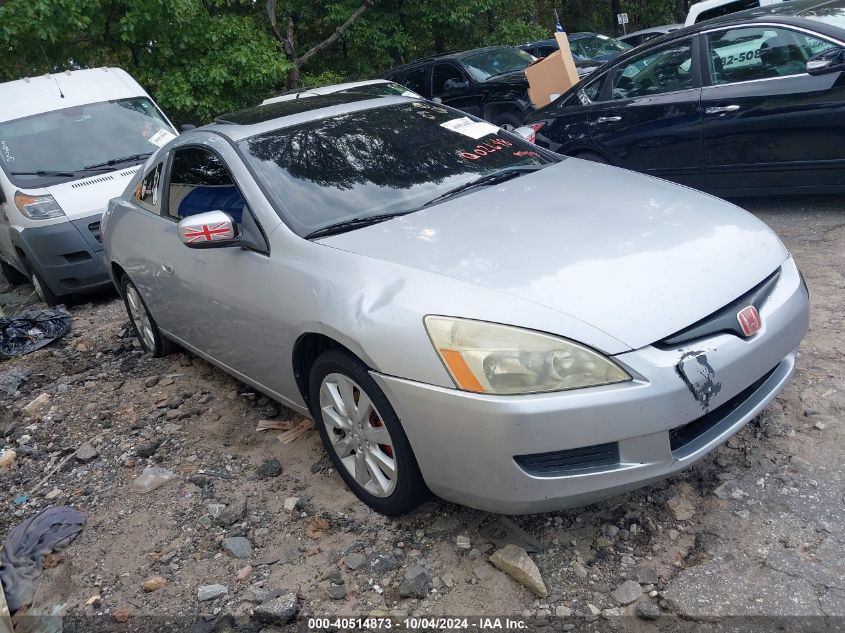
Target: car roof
{"type": "Point", "coordinates": [46, 93]}
{"type": "Point", "coordinates": [665, 28]}
{"type": "Point", "coordinates": [322, 90]}
{"type": "Point", "coordinates": [281, 114]}
{"type": "Point", "coordinates": [443, 56]}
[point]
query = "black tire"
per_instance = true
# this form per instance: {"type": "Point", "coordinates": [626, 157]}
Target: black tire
{"type": "Point", "coordinates": [12, 274]}
{"type": "Point", "coordinates": [152, 342]}
{"type": "Point", "coordinates": [593, 157]}
{"type": "Point", "coordinates": [44, 292]}
{"type": "Point", "coordinates": [410, 489]}
{"type": "Point", "coordinates": [508, 120]}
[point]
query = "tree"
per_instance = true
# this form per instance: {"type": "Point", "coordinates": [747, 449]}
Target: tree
{"type": "Point", "coordinates": [289, 44]}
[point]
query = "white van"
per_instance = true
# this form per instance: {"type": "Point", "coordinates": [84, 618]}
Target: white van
{"type": "Point", "coordinates": [709, 9]}
{"type": "Point", "coordinates": [69, 142]}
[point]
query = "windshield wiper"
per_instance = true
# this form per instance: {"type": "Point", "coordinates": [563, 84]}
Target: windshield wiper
{"type": "Point", "coordinates": [355, 223]}
{"type": "Point", "coordinates": [485, 181]}
{"type": "Point", "coordinates": [43, 172]}
{"type": "Point", "coordinates": [122, 159]}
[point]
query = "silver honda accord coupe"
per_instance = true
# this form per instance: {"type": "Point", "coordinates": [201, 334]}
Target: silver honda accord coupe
{"type": "Point", "coordinates": [459, 311]}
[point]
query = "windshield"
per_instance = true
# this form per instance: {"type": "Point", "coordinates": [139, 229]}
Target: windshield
{"type": "Point", "coordinates": [496, 62]}
{"type": "Point", "coordinates": [597, 47]}
{"type": "Point", "coordinates": [69, 140]}
{"type": "Point", "coordinates": [377, 161]}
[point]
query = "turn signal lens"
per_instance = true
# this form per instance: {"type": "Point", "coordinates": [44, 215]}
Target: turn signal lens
{"type": "Point", "coordinates": [38, 207]}
{"type": "Point", "coordinates": [501, 359]}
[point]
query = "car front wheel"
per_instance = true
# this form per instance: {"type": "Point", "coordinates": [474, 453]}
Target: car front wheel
{"type": "Point", "coordinates": [146, 329]}
{"type": "Point", "coordinates": [363, 435]}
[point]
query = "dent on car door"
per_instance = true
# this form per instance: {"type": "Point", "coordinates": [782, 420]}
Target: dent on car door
{"type": "Point", "coordinates": [767, 122]}
{"type": "Point", "coordinates": [650, 116]}
{"type": "Point", "coordinates": [217, 297]}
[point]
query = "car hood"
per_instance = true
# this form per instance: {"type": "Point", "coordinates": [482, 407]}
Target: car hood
{"type": "Point", "coordinates": [636, 257]}
{"type": "Point", "coordinates": [516, 78]}
{"type": "Point", "coordinates": [90, 196]}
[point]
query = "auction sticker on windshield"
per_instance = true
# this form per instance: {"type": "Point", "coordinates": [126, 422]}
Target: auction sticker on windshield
{"type": "Point", "coordinates": [161, 138]}
{"type": "Point", "coordinates": [470, 128]}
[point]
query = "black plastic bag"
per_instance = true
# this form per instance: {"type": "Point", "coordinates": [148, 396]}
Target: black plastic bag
{"type": "Point", "coordinates": [32, 330]}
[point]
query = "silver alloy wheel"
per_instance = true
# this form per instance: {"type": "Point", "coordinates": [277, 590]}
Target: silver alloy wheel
{"type": "Point", "coordinates": [140, 318]}
{"type": "Point", "coordinates": [358, 435]}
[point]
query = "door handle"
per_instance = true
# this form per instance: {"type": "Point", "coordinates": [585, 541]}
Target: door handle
{"type": "Point", "coordinates": [608, 119]}
{"type": "Point", "coordinates": [166, 267]}
{"type": "Point", "coordinates": [722, 109]}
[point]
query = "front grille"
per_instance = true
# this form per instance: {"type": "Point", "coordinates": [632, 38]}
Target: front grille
{"type": "Point", "coordinates": [688, 433]}
{"type": "Point", "coordinates": [569, 461]}
{"type": "Point", "coordinates": [724, 319]}
{"type": "Point", "coordinates": [94, 227]}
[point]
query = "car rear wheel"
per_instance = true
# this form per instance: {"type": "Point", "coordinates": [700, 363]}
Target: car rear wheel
{"type": "Point", "coordinates": [146, 329]}
{"type": "Point", "coordinates": [363, 435]}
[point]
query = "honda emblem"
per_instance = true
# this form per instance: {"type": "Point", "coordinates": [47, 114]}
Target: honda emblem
{"type": "Point", "coordinates": [749, 320]}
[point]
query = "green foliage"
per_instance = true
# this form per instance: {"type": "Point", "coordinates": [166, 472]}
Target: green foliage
{"type": "Point", "coordinates": [200, 58]}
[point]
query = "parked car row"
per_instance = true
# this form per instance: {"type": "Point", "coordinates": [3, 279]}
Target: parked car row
{"type": "Point", "coordinates": [750, 103]}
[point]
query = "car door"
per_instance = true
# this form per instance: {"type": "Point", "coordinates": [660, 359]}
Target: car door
{"type": "Point", "coordinates": [452, 86]}
{"type": "Point", "coordinates": [767, 123]}
{"type": "Point", "coordinates": [214, 296]}
{"type": "Point", "coordinates": [142, 217]}
{"type": "Point", "coordinates": [649, 116]}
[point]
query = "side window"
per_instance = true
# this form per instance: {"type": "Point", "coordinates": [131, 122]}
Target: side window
{"type": "Point", "coordinates": [200, 182]}
{"type": "Point", "coordinates": [447, 77]}
{"type": "Point", "coordinates": [748, 54]}
{"type": "Point", "coordinates": [668, 69]}
{"type": "Point", "coordinates": [148, 191]}
{"type": "Point", "coordinates": [593, 89]}
{"type": "Point", "coordinates": [415, 80]}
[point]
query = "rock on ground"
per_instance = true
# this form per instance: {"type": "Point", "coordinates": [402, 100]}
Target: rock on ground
{"type": "Point", "coordinates": [211, 592]}
{"type": "Point", "coordinates": [416, 583]}
{"type": "Point", "coordinates": [238, 546]}
{"type": "Point", "coordinates": [278, 611]}
{"type": "Point", "coordinates": [627, 592]}
{"type": "Point", "coordinates": [516, 562]}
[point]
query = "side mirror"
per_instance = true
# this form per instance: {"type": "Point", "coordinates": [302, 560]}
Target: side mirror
{"type": "Point", "coordinates": [830, 61]}
{"type": "Point", "coordinates": [187, 127]}
{"type": "Point", "coordinates": [212, 229]}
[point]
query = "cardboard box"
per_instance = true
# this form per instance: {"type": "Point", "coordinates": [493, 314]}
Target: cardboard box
{"type": "Point", "coordinates": [551, 76]}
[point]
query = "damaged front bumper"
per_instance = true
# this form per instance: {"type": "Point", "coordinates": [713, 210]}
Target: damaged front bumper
{"type": "Point", "coordinates": [543, 452]}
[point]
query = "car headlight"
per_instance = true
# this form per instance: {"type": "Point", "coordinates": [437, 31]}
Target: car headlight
{"type": "Point", "coordinates": [38, 207]}
{"type": "Point", "coordinates": [501, 359]}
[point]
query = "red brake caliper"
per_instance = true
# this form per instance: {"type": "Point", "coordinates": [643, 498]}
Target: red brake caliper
{"type": "Point", "coordinates": [376, 422]}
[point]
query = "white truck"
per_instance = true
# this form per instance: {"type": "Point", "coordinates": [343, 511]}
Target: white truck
{"type": "Point", "coordinates": [69, 142]}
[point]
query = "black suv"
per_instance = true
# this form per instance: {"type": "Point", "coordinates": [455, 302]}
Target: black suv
{"type": "Point", "coordinates": [487, 82]}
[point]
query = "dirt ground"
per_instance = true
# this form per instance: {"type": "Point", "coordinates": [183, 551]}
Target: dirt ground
{"type": "Point", "coordinates": [754, 529]}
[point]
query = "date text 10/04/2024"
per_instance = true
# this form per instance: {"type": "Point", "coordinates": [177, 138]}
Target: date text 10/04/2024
{"type": "Point", "coordinates": [418, 624]}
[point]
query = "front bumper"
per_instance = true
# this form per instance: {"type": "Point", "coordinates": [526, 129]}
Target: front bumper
{"type": "Point", "coordinates": [586, 445]}
{"type": "Point", "coordinates": [68, 255]}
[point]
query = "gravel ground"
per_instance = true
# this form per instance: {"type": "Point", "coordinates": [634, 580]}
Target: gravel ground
{"type": "Point", "coordinates": [754, 529]}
